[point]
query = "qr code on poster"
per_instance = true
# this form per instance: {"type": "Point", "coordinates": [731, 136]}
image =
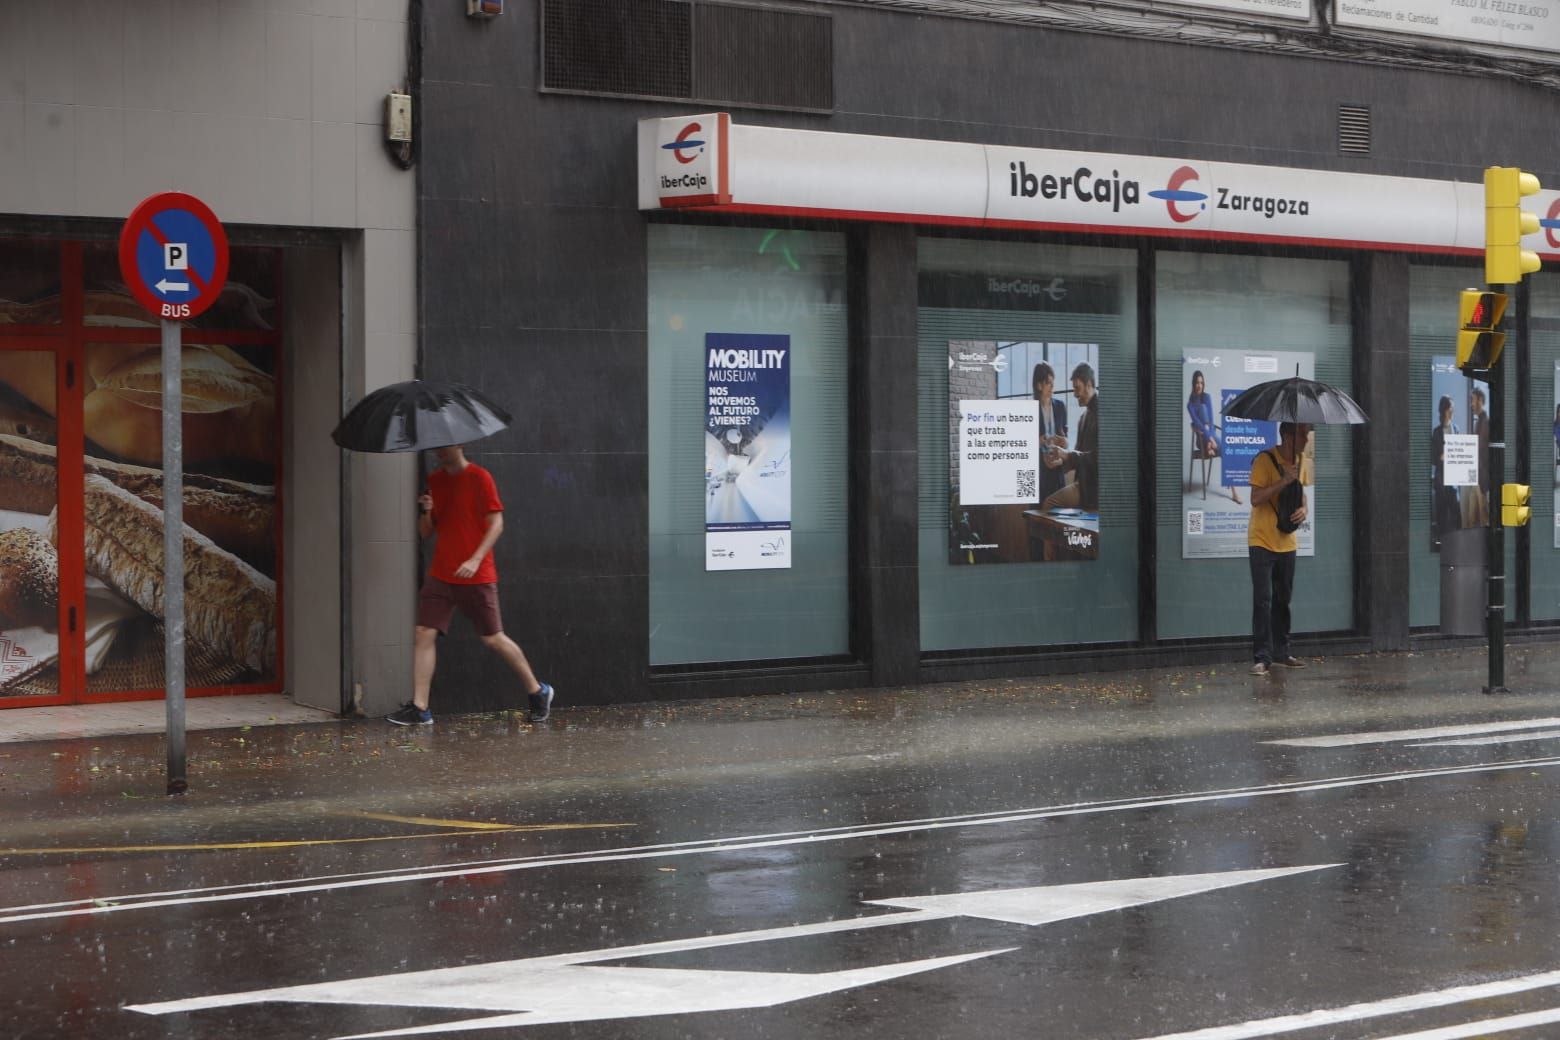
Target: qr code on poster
{"type": "Point", "coordinates": [1194, 520]}
{"type": "Point", "coordinates": [1026, 484]}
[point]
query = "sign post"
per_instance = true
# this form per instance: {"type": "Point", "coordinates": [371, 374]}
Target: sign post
{"type": "Point", "coordinates": [173, 255]}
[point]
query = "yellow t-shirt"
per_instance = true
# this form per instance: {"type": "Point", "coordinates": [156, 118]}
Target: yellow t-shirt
{"type": "Point", "coordinates": [1262, 529]}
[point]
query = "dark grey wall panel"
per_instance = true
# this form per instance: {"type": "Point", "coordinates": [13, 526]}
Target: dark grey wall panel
{"type": "Point", "coordinates": [533, 283]}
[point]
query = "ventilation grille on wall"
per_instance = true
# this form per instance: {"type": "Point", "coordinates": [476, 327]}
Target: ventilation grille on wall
{"type": "Point", "coordinates": [689, 50]}
{"type": "Point", "coordinates": [1354, 129]}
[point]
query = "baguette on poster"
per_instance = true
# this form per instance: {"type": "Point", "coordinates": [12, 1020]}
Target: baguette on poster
{"type": "Point", "coordinates": [29, 579]}
{"type": "Point", "coordinates": [239, 517]}
{"type": "Point", "coordinates": [229, 405]}
{"type": "Point", "coordinates": [229, 607]}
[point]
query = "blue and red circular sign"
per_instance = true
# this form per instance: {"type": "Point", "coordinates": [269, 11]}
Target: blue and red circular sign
{"type": "Point", "coordinates": [173, 254]}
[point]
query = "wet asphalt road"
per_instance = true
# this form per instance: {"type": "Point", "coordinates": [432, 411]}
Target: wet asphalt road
{"type": "Point", "coordinates": [869, 864]}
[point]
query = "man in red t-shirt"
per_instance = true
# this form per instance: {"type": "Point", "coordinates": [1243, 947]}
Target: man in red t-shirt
{"type": "Point", "coordinates": [462, 507]}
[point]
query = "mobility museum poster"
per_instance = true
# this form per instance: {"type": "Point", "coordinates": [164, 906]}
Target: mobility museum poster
{"type": "Point", "coordinates": [747, 452]}
{"type": "Point", "coordinates": [1023, 459]}
{"type": "Point", "coordinates": [1220, 450]}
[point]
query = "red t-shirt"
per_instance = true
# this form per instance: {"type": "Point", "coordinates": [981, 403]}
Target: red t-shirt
{"type": "Point", "coordinates": [461, 504]}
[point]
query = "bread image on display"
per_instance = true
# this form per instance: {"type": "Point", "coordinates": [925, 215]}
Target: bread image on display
{"type": "Point", "coordinates": [29, 580]}
{"type": "Point", "coordinates": [239, 517]}
{"type": "Point", "coordinates": [229, 404]}
{"type": "Point", "coordinates": [229, 607]}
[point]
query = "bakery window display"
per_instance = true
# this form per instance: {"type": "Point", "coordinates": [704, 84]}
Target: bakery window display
{"type": "Point", "coordinates": [232, 448]}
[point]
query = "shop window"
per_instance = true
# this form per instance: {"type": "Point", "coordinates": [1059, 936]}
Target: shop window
{"type": "Point", "coordinates": [1223, 324]}
{"type": "Point", "coordinates": [90, 332]}
{"type": "Point", "coordinates": [1028, 498]}
{"type": "Point", "coordinates": [1435, 508]}
{"type": "Point", "coordinates": [748, 445]}
{"type": "Point", "coordinates": [1543, 342]}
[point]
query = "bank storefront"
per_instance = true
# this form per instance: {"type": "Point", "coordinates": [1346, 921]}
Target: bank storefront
{"type": "Point", "coordinates": [999, 436]}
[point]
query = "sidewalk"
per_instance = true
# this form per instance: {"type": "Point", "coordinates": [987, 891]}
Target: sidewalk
{"type": "Point", "coordinates": [67, 721]}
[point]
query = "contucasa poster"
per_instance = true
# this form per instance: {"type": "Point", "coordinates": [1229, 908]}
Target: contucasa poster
{"type": "Point", "coordinates": [747, 452]}
{"type": "Point", "coordinates": [1023, 451]}
{"type": "Point", "coordinates": [1220, 450]}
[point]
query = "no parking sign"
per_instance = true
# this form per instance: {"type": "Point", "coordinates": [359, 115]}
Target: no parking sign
{"type": "Point", "coordinates": [173, 255]}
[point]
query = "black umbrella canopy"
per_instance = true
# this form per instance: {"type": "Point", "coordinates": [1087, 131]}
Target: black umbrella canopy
{"type": "Point", "coordinates": [417, 415]}
{"type": "Point", "coordinates": [1297, 400]}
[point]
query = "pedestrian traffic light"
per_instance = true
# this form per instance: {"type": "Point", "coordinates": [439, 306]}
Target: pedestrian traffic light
{"type": "Point", "coordinates": [1478, 344]}
{"type": "Point", "coordinates": [1514, 511]}
{"type": "Point", "coordinates": [1505, 222]}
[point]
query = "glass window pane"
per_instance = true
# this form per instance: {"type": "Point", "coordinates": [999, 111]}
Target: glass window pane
{"type": "Point", "coordinates": [231, 451]}
{"type": "Point", "coordinates": [1046, 570]}
{"type": "Point", "coordinates": [1432, 344]}
{"type": "Point", "coordinates": [29, 282]}
{"type": "Point", "coordinates": [1544, 339]}
{"type": "Point", "coordinates": [29, 566]}
{"type": "Point", "coordinates": [745, 281]}
{"type": "Point", "coordinates": [1257, 314]}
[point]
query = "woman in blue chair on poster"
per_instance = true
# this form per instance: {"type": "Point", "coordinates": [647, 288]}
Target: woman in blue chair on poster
{"type": "Point", "coordinates": [1205, 434]}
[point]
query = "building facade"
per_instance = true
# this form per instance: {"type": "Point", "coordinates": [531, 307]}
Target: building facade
{"type": "Point", "coordinates": [769, 288]}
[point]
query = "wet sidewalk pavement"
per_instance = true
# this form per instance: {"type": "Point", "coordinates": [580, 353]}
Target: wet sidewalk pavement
{"type": "Point", "coordinates": [250, 750]}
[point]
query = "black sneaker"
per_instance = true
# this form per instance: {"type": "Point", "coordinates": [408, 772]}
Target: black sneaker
{"type": "Point", "coordinates": [411, 715]}
{"type": "Point", "coordinates": [541, 703]}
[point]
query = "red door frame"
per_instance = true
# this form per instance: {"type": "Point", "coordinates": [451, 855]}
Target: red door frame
{"type": "Point", "coordinates": [68, 341]}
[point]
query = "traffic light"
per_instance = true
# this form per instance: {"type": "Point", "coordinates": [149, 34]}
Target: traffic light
{"type": "Point", "coordinates": [1514, 509]}
{"type": "Point", "coordinates": [1505, 222]}
{"type": "Point", "coordinates": [1479, 313]}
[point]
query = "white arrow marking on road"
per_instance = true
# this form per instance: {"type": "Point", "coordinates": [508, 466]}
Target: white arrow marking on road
{"type": "Point", "coordinates": [559, 989]}
{"type": "Point", "coordinates": [1389, 736]}
{"type": "Point", "coordinates": [163, 285]}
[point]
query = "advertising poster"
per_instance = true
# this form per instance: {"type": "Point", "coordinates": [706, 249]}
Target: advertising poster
{"type": "Point", "coordinates": [747, 452]}
{"type": "Point", "coordinates": [1220, 450]}
{"type": "Point", "coordinates": [231, 449]}
{"type": "Point", "coordinates": [1459, 450]}
{"type": "Point", "coordinates": [1023, 451]}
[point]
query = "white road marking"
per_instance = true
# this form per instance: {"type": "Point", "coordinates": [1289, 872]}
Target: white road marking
{"type": "Point", "coordinates": [329, 883]}
{"type": "Point", "coordinates": [1503, 738]}
{"type": "Point", "coordinates": [560, 988]}
{"type": "Point", "coordinates": [1373, 1009]}
{"type": "Point", "coordinates": [1389, 736]}
{"type": "Point", "coordinates": [1489, 1025]}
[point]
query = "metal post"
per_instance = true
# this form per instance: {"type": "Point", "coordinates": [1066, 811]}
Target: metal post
{"type": "Point", "coordinates": [1497, 539]}
{"type": "Point", "coordinates": [173, 550]}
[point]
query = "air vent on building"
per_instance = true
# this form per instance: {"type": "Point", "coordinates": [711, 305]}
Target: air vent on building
{"type": "Point", "coordinates": [760, 56]}
{"type": "Point", "coordinates": [1354, 129]}
{"type": "Point", "coordinates": [689, 50]}
{"type": "Point", "coordinates": [611, 47]}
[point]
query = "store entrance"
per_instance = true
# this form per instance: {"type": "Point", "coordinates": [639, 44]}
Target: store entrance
{"type": "Point", "coordinates": [81, 484]}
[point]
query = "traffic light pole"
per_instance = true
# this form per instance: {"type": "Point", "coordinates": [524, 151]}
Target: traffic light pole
{"type": "Point", "coordinates": [1496, 610]}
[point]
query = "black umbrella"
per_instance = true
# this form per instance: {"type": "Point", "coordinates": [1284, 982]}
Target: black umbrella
{"type": "Point", "coordinates": [417, 415]}
{"type": "Point", "coordinates": [1296, 400]}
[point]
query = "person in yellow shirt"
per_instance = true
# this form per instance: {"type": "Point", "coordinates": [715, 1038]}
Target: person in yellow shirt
{"type": "Point", "coordinates": [1272, 551]}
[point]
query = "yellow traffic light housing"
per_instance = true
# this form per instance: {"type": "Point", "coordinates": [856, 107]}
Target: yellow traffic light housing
{"type": "Point", "coordinates": [1479, 314]}
{"type": "Point", "coordinates": [1505, 222]}
{"type": "Point", "coordinates": [1514, 511]}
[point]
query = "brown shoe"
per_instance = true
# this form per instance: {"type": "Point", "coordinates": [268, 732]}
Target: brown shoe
{"type": "Point", "coordinates": [1290, 662]}
{"type": "Point", "coordinates": [1260, 668]}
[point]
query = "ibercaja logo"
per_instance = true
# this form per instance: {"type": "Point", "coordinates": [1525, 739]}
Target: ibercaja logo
{"type": "Point", "coordinates": [693, 169]}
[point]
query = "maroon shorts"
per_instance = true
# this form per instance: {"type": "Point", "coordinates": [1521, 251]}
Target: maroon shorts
{"type": "Point", "coordinates": [438, 601]}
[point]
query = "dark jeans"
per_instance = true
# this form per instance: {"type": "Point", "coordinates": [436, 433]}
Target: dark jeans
{"type": "Point", "coordinates": [1272, 583]}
